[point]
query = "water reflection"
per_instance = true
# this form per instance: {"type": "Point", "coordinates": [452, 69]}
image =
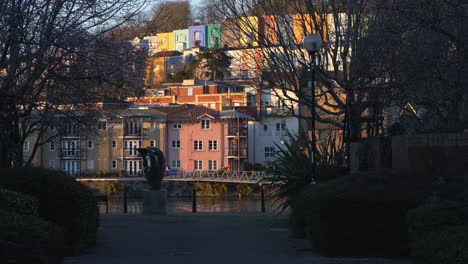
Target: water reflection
{"type": "Point", "coordinates": [184, 204]}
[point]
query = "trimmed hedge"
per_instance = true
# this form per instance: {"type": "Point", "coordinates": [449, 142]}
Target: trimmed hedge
{"type": "Point", "coordinates": [362, 214]}
{"type": "Point", "coordinates": [434, 217]}
{"type": "Point", "coordinates": [449, 245]}
{"type": "Point", "coordinates": [62, 200]}
{"type": "Point", "coordinates": [18, 202]}
{"type": "Point", "coordinates": [29, 239]}
{"type": "Point", "coordinates": [439, 233]}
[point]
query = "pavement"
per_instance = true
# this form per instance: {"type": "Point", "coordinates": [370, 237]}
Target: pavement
{"type": "Point", "coordinates": [203, 238]}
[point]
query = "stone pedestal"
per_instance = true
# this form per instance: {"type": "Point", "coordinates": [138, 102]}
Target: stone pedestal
{"type": "Point", "coordinates": [155, 202]}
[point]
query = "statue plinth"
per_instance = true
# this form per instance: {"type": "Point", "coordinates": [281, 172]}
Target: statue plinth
{"type": "Point", "coordinates": [155, 202]}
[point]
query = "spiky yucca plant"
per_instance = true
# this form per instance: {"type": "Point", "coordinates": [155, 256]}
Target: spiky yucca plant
{"type": "Point", "coordinates": [291, 171]}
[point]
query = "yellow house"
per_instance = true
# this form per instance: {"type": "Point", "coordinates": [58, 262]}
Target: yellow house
{"type": "Point", "coordinates": [108, 147]}
{"type": "Point", "coordinates": [166, 41]}
{"type": "Point", "coordinates": [249, 28]}
{"type": "Point", "coordinates": [155, 72]}
{"type": "Point", "coordinates": [304, 24]}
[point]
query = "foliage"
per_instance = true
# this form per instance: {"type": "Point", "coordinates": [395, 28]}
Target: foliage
{"type": "Point", "coordinates": [439, 232]}
{"type": "Point", "coordinates": [18, 203]}
{"type": "Point", "coordinates": [29, 239]}
{"type": "Point", "coordinates": [112, 188]}
{"type": "Point", "coordinates": [447, 245]}
{"type": "Point", "coordinates": [62, 200]}
{"type": "Point", "coordinates": [56, 54]}
{"type": "Point", "coordinates": [375, 205]}
{"type": "Point", "coordinates": [330, 151]}
{"type": "Point", "coordinates": [215, 62]}
{"type": "Point", "coordinates": [253, 167]}
{"type": "Point", "coordinates": [291, 171]}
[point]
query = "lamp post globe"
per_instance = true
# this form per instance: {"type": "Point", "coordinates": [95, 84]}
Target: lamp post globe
{"type": "Point", "coordinates": [312, 43]}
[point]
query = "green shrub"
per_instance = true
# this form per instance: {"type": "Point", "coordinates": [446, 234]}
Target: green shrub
{"type": "Point", "coordinates": [18, 203]}
{"type": "Point", "coordinates": [362, 214]}
{"type": "Point", "coordinates": [435, 216]}
{"type": "Point", "coordinates": [448, 245]}
{"type": "Point", "coordinates": [29, 239]}
{"type": "Point", "coordinates": [62, 200]}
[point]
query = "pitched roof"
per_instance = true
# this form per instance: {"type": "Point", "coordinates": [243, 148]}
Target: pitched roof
{"type": "Point", "coordinates": [189, 113]}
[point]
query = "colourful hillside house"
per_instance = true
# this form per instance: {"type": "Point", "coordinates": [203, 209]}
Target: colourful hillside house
{"type": "Point", "coordinates": [213, 36]}
{"type": "Point", "coordinates": [197, 36]}
{"type": "Point", "coordinates": [181, 40]}
{"type": "Point", "coordinates": [249, 27]}
{"type": "Point", "coordinates": [305, 24]}
{"type": "Point", "coordinates": [166, 41]}
{"type": "Point", "coordinates": [229, 33]}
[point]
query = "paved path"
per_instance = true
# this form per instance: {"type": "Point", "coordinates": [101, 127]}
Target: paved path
{"type": "Point", "coordinates": [188, 238]}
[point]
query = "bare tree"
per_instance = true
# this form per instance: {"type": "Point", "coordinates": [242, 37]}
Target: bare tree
{"type": "Point", "coordinates": [55, 62]}
{"type": "Point", "coordinates": [275, 30]}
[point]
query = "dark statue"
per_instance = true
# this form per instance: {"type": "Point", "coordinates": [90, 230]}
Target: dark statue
{"type": "Point", "coordinates": [155, 172]}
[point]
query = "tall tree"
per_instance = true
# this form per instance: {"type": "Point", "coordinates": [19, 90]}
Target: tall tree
{"type": "Point", "coordinates": [55, 59]}
{"type": "Point", "coordinates": [170, 15]}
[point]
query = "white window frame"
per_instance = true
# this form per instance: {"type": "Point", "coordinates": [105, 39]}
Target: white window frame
{"type": "Point", "coordinates": [152, 143]}
{"type": "Point", "coordinates": [51, 146]}
{"type": "Point", "coordinates": [212, 145]}
{"type": "Point", "coordinates": [198, 165]}
{"type": "Point", "coordinates": [114, 164]}
{"type": "Point", "coordinates": [205, 124]}
{"type": "Point", "coordinates": [176, 126]}
{"type": "Point", "coordinates": [26, 146]}
{"type": "Point", "coordinates": [88, 145]}
{"type": "Point", "coordinates": [175, 144]}
{"type": "Point", "coordinates": [198, 145]}
{"type": "Point", "coordinates": [114, 144]}
{"type": "Point", "coordinates": [212, 165]}
{"type": "Point", "coordinates": [175, 164]}
{"type": "Point", "coordinates": [269, 152]}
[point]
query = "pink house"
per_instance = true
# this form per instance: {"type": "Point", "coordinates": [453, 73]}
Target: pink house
{"type": "Point", "coordinates": [203, 139]}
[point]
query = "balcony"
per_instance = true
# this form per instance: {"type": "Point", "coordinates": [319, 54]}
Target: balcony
{"type": "Point", "coordinates": [234, 132]}
{"type": "Point", "coordinates": [132, 133]}
{"type": "Point", "coordinates": [131, 152]}
{"type": "Point", "coordinates": [275, 111]}
{"type": "Point", "coordinates": [237, 153]}
{"type": "Point", "coordinates": [70, 152]}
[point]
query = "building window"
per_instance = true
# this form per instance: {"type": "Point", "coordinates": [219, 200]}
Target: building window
{"type": "Point", "coordinates": [90, 144]}
{"type": "Point", "coordinates": [190, 91]}
{"type": "Point", "coordinates": [114, 164]}
{"type": "Point", "coordinates": [198, 145]}
{"type": "Point", "coordinates": [102, 125]}
{"type": "Point", "coordinates": [212, 165]}
{"type": "Point", "coordinates": [52, 164]}
{"type": "Point", "coordinates": [177, 126]}
{"type": "Point", "coordinates": [153, 125]}
{"type": "Point", "coordinates": [212, 145]}
{"type": "Point", "coordinates": [152, 143]}
{"type": "Point", "coordinates": [280, 126]}
{"type": "Point", "coordinates": [175, 144]}
{"type": "Point", "coordinates": [213, 106]}
{"type": "Point", "coordinates": [265, 128]}
{"type": "Point", "coordinates": [114, 144]}
{"type": "Point", "coordinates": [90, 164]}
{"type": "Point", "coordinates": [52, 146]}
{"type": "Point", "coordinates": [205, 124]}
{"type": "Point", "coordinates": [269, 152]}
{"type": "Point", "coordinates": [26, 146]}
{"type": "Point", "coordinates": [198, 165]}
{"type": "Point", "coordinates": [176, 164]}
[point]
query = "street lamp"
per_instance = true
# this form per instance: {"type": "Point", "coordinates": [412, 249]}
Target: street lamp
{"type": "Point", "coordinates": [313, 43]}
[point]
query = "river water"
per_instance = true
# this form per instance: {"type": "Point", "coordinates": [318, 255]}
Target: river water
{"type": "Point", "coordinates": [184, 204]}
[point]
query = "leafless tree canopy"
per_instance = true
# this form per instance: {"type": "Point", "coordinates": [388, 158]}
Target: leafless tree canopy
{"type": "Point", "coordinates": [376, 54]}
{"type": "Point", "coordinates": [54, 54]}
